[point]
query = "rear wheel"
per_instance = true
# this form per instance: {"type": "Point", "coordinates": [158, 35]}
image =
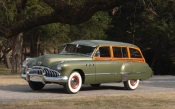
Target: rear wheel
{"type": "Point", "coordinates": [95, 85]}
{"type": "Point", "coordinates": [36, 85]}
{"type": "Point", "coordinates": [74, 83]}
{"type": "Point", "coordinates": [131, 84]}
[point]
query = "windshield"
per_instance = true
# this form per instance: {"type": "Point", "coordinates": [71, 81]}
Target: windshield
{"type": "Point", "coordinates": [78, 49]}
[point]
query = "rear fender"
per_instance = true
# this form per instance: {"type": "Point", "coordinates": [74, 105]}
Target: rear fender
{"type": "Point", "coordinates": [131, 70]}
{"type": "Point", "coordinates": [126, 70]}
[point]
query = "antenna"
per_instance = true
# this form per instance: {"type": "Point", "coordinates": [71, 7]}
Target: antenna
{"type": "Point", "coordinates": [85, 36]}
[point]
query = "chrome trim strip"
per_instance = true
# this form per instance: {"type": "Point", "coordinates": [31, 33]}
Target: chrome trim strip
{"type": "Point", "coordinates": [93, 74]}
{"type": "Point", "coordinates": [113, 73]}
{"type": "Point", "coordinates": [106, 73]}
{"type": "Point", "coordinates": [131, 73]}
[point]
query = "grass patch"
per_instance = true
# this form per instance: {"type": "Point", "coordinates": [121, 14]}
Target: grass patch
{"type": "Point", "coordinates": [164, 100]}
{"type": "Point", "coordinates": [5, 71]}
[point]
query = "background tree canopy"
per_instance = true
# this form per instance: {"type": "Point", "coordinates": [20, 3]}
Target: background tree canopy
{"type": "Point", "coordinates": [47, 24]}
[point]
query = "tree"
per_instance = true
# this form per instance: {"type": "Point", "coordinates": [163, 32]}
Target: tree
{"type": "Point", "coordinates": [53, 36]}
{"type": "Point", "coordinates": [7, 15]}
{"type": "Point", "coordinates": [78, 19]}
{"type": "Point", "coordinates": [68, 12]}
{"type": "Point", "coordinates": [13, 10]}
{"type": "Point", "coordinates": [154, 32]}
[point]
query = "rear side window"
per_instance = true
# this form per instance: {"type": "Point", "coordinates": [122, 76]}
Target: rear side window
{"type": "Point", "coordinates": [120, 52]}
{"type": "Point", "coordinates": [134, 53]}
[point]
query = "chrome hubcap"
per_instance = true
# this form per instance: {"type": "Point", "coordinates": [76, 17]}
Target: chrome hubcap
{"type": "Point", "coordinates": [74, 82]}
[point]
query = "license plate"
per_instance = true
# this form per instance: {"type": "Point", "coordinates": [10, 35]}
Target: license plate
{"type": "Point", "coordinates": [36, 78]}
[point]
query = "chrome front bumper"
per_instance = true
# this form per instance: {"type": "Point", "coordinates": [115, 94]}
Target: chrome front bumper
{"type": "Point", "coordinates": [44, 75]}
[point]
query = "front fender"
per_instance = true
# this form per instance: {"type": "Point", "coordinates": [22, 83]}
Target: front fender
{"type": "Point", "coordinates": [85, 66]}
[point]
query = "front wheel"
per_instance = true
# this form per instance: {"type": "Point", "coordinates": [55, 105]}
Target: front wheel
{"type": "Point", "coordinates": [131, 84]}
{"type": "Point", "coordinates": [74, 83]}
{"type": "Point", "coordinates": [36, 85]}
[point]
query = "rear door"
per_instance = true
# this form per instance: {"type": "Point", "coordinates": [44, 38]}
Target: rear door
{"type": "Point", "coordinates": [122, 64]}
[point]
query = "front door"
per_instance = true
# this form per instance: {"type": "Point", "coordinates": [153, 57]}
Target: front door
{"type": "Point", "coordinates": [104, 65]}
{"type": "Point", "coordinates": [105, 71]}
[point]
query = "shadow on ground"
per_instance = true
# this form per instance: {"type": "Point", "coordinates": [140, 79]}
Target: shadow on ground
{"type": "Point", "coordinates": [55, 88]}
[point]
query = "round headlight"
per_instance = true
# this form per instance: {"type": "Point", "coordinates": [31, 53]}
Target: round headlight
{"type": "Point", "coordinates": [39, 63]}
{"type": "Point", "coordinates": [24, 64]}
{"type": "Point", "coordinates": [59, 66]}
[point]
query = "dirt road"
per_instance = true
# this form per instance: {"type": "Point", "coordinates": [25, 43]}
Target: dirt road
{"type": "Point", "coordinates": [13, 88]}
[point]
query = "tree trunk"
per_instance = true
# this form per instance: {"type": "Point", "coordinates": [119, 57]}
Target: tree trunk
{"type": "Point", "coordinates": [17, 53]}
{"type": "Point", "coordinates": [6, 57]}
{"type": "Point", "coordinates": [34, 46]}
{"type": "Point", "coordinates": [7, 60]}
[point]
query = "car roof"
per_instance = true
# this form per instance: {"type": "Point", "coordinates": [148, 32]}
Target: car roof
{"type": "Point", "coordinates": [95, 43]}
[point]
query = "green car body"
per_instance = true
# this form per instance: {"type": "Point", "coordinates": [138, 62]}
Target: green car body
{"type": "Point", "coordinates": [88, 62]}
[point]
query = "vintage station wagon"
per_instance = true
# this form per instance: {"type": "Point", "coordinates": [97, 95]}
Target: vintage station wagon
{"type": "Point", "coordinates": [88, 62]}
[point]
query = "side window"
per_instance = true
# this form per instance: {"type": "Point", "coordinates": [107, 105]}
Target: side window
{"type": "Point", "coordinates": [120, 52]}
{"type": "Point", "coordinates": [134, 53]}
{"type": "Point", "coordinates": [103, 52]}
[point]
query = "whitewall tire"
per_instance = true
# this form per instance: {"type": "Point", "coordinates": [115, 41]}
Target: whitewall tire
{"type": "Point", "coordinates": [74, 83]}
{"type": "Point", "coordinates": [131, 84]}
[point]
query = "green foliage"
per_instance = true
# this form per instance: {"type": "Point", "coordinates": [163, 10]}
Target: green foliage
{"type": "Point", "coordinates": [92, 29]}
{"type": "Point", "coordinates": [8, 12]}
{"type": "Point", "coordinates": [11, 11]}
{"type": "Point", "coordinates": [149, 32]}
{"type": "Point", "coordinates": [53, 36]}
{"type": "Point", "coordinates": [36, 8]}
{"type": "Point", "coordinates": [74, 2]}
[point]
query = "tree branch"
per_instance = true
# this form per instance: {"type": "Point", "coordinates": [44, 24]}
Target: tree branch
{"type": "Point", "coordinates": [64, 13]}
{"type": "Point", "coordinates": [147, 9]}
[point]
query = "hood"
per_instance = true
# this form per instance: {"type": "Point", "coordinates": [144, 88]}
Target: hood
{"type": "Point", "coordinates": [49, 59]}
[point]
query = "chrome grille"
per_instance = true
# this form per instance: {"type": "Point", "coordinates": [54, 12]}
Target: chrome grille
{"type": "Point", "coordinates": [51, 73]}
{"type": "Point", "coordinates": [35, 71]}
{"type": "Point", "coordinates": [44, 71]}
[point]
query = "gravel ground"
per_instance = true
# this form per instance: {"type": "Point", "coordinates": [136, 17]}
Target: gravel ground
{"type": "Point", "coordinates": [13, 88]}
